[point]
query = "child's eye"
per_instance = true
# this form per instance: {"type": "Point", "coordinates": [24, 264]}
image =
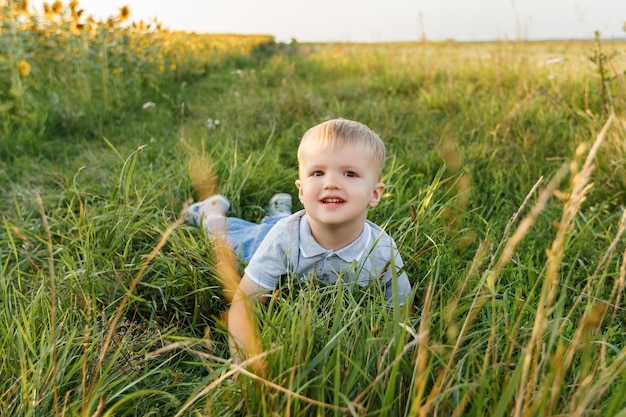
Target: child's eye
{"type": "Point", "coordinates": [317, 173]}
{"type": "Point", "coordinates": [350, 174]}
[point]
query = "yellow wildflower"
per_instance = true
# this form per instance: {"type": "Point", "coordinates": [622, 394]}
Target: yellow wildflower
{"type": "Point", "coordinates": [23, 7]}
{"type": "Point", "coordinates": [24, 68]}
{"type": "Point", "coordinates": [57, 7]}
{"type": "Point", "coordinates": [124, 13]}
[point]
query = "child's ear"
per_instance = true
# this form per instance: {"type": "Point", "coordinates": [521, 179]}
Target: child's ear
{"type": "Point", "coordinates": [377, 193]}
{"type": "Point", "coordinates": [299, 185]}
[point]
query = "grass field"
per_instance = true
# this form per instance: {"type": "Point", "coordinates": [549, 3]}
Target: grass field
{"type": "Point", "coordinates": [506, 192]}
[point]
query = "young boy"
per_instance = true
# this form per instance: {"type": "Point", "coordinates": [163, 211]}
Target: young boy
{"type": "Point", "coordinates": [339, 166]}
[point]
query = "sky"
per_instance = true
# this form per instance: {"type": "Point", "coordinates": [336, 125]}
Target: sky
{"type": "Point", "coordinates": [381, 20]}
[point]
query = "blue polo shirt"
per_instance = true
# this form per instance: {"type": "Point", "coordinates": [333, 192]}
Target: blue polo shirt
{"type": "Point", "coordinates": [289, 248]}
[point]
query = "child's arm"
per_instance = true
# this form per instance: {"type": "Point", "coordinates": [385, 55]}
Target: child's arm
{"type": "Point", "coordinates": [244, 333]}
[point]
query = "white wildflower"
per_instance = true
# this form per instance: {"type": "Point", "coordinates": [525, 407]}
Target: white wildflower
{"type": "Point", "coordinates": [212, 123]}
{"type": "Point", "coordinates": [148, 104]}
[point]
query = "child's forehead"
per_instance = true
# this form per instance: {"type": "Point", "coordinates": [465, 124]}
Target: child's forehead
{"type": "Point", "coordinates": [344, 156]}
{"type": "Point", "coordinates": [327, 150]}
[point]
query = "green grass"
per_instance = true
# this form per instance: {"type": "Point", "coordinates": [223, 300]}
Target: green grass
{"type": "Point", "coordinates": [470, 129]}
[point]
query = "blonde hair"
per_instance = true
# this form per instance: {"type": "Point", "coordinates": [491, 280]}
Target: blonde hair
{"type": "Point", "coordinates": [339, 132]}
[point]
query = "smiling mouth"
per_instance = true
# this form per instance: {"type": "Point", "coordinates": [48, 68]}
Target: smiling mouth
{"type": "Point", "coordinates": [332, 201]}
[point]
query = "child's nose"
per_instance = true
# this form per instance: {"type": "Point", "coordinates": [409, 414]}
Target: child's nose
{"type": "Point", "coordinates": [330, 182]}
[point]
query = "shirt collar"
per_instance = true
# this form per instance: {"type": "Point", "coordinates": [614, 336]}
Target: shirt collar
{"type": "Point", "coordinates": [310, 248]}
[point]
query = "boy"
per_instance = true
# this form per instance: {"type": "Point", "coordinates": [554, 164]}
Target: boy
{"type": "Point", "coordinates": [339, 169]}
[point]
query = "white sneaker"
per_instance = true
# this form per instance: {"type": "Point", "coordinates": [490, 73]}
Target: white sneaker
{"type": "Point", "coordinates": [280, 205]}
{"type": "Point", "coordinates": [216, 204]}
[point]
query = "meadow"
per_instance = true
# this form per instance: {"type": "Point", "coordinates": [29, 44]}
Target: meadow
{"type": "Point", "coordinates": [506, 194]}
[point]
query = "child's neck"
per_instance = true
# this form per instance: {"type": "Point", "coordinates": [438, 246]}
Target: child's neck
{"type": "Point", "coordinates": [335, 237]}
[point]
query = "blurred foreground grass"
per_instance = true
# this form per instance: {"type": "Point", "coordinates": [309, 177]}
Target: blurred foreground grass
{"type": "Point", "coordinates": [506, 194]}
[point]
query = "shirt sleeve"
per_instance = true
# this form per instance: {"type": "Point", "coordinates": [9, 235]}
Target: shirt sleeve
{"type": "Point", "coordinates": [395, 268]}
{"type": "Point", "coordinates": [271, 259]}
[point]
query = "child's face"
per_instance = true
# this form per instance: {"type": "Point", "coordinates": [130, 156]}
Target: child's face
{"type": "Point", "coordinates": [337, 186]}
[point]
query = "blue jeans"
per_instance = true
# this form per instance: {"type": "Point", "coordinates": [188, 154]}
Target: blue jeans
{"type": "Point", "coordinates": [245, 237]}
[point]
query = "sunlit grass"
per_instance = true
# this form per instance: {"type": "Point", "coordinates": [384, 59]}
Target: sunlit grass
{"type": "Point", "coordinates": [65, 68]}
{"type": "Point", "coordinates": [505, 196]}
